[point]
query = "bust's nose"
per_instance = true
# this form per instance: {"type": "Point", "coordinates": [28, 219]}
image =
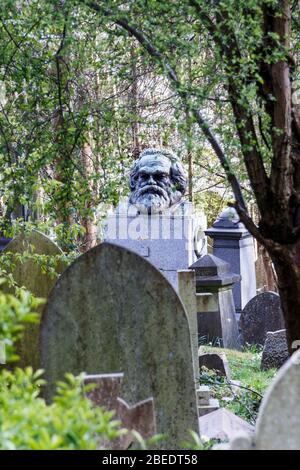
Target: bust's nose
{"type": "Point", "coordinates": [151, 180]}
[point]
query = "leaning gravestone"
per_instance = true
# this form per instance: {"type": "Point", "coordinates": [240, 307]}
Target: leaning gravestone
{"type": "Point", "coordinates": [29, 274]}
{"type": "Point", "coordinates": [262, 314]}
{"type": "Point", "coordinates": [112, 311]}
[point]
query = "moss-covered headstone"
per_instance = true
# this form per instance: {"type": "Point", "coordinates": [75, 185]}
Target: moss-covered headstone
{"type": "Point", "coordinates": [112, 311]}
{"type": "Point", "coordinates": [38, 275]}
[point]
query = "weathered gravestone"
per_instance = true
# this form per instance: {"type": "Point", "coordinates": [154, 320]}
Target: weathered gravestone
{"type": "Point", "coordinates": [262, 314]}
{"type": "Point", "coordinates": [217, 362]}
{"type": "Point", "coordinates": [275, 352]}
{"type": "Point", "coordinates": [28, 273]}
{"type": "Point", "coordinates": [112, 311]}
{"type": "Point", "coordinates": [278, 422]}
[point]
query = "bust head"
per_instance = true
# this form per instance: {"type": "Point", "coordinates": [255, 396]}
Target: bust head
{"type": "Point", "coordinates": [157, 181]}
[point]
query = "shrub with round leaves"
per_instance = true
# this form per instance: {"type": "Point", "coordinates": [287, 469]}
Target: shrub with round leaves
{"type": "Point", "coordinates": [71, 422]}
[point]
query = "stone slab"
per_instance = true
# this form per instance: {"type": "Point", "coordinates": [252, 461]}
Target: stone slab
{"type": "Point", "coordinates": [223, 425]}
{"type": "Point", "coordinates": [139, 417]}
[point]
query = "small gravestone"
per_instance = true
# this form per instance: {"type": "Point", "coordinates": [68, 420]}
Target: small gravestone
{"type": "Point", "coordinates": [139, 417]}
{"type": "Point", "coordinates": [113, 311]}
{"type": "Point", "coordinates": [215, 362]}
{"type": "Point", "coordinates": [29, 273]}
{"type": "Point", "coordinates": [275, 352]}
{"type": "Point", "coordinates": [262, 314]}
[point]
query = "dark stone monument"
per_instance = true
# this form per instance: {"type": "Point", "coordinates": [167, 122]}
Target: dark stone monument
{"type": "Point", "coordinates": [233, 243]}
{"type": "Point", "coordinates": [4, 242]}
{"type": "Point", "coordinates": [262, 314]}
{"type": "Point", "coordinates": [112, 311]}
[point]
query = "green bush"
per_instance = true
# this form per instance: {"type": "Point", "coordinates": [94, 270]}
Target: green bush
{"type": "Point", "coordinates": [69, 423]}
{"type": "Point", "coordinates": [15, 311]}
{"type": "Point", "coordinates": [26, 421]}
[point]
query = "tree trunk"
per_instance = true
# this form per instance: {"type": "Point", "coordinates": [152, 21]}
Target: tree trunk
{"type": "Point", "coordinates": [287, 267]}
{"type": "Point", "coordinates": [88, 222]}
{"type": "Point", "coordinates": [269, 272]}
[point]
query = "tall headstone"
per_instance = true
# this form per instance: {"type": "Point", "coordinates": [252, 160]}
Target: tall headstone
{"type": "Point", "coordinates": [233, 243]}
{"type": "Point", "coordinates": [112, 311]}
{"type": "Point", "coordinates": [187, 293]}
{"type": "Point", "coordinates": [29, 274]}
{"type": "Point", "coordinates": [155, 222]}
{"type": "Point", "coordinates": [215, 306]}
{"type": "Point", "coordinates": [262, 314]}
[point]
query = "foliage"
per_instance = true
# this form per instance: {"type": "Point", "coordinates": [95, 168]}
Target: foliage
{"type": "Point", "coordinates": [245, 368]}
{"type": "Point", "coordinates": [69, 423]}
{"type": "Point", "coordinates": [15, 311]}
{"type": "Point", "coordinates": [195, 442]}
{"type": "Point", "coordinates": [26, 421]}
{"type": "Point", "coordinates": [211, 203]}
{"type": "Point", "coordinates": [145, 444]}
{"type": "Point", "coordinates": [79, 100]}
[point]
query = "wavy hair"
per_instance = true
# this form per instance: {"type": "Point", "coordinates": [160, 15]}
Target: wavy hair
{"type": "Point", "coordinates": [177, 173]}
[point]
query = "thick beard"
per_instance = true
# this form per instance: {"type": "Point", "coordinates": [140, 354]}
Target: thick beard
{"type": "Point", "coordinates": [153, 199]}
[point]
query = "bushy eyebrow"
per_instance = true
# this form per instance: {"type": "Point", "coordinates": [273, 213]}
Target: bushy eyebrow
{"type": "Point", "coordinates": [156, 172]}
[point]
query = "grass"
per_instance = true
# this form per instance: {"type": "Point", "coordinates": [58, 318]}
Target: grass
{"type": "Point", "coordinates": [244, 367]}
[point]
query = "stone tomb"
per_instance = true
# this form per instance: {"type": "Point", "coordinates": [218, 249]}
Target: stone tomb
{"type": "Point", "coordinates": [170, 240]}
{"type": "Point", "coordinates": [262, 314]}
{"type": "Point", "coordinates": [223, 425]}
{"type": "Point", "coordinates": [112, 311]}
{"type": "Point", "coordinates": [29, 274]}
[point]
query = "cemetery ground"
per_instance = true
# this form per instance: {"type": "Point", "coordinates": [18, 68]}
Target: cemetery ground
{"type": "Point", "coordinates": [245, 367]}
